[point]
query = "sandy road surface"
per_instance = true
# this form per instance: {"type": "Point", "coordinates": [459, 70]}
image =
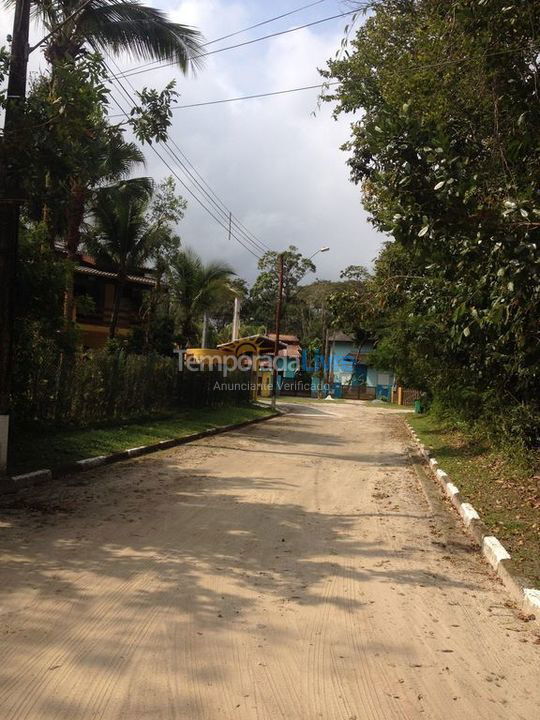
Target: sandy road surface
{"type": "Point", "coordinates": [282, 571]}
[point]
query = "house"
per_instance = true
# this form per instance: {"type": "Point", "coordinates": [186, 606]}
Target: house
{"type": "Point", "coordinates": [349, 367]}
{"type": "Point", "coordinates": [290, 363]}
{"type": "Point", "coordinates": [291, 354]}
{"type": "Point", "coordinates": [261, 349]}
{"type": "Point", "coordinates": [99, 285]}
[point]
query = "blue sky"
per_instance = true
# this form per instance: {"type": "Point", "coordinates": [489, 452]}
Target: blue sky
{"type": "Point", "coordinates": [278, 167]}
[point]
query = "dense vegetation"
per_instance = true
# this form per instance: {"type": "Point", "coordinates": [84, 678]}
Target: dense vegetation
{"type": "Point", "coordinates": [445, 147]}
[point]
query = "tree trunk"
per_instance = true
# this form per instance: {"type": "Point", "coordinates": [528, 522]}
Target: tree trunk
{"type": "Point", "coordinates": [74, 218]}
{"type": "Point", "coordinates": [47, 215]}
{"type": "Point", "coordinates": [152, 307]}
{"type": "Point", "coordinates": [120, 284]}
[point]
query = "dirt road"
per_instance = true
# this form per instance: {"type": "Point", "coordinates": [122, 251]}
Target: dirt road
{"type": "Point", "coordinates": [290, 570]}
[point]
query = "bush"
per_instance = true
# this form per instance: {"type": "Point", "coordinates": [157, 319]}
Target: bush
{"type": "Point", "coordinates": [52, 386]}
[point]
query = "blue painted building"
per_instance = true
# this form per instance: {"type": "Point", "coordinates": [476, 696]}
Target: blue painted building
{"type": "Point", "coordinates": [350, 371]}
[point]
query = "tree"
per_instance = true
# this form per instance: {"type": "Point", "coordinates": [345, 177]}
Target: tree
{"type": "Point", "coordinates": [445, 147]}
{"type": "Point", "coordinates": [72, 155]}
{"type": "Point", "coordinates": [89, 151]}
{"type": "Point", "coordinates": [347, 303]}
{"type": "Point", "coordinates": [122, 237]}
{"type": "Point", "coordinates": [310, 316]}
{"type": "Point", "coordinates": [262, 297]}
{"type": "Point", "coordinates": [116, 26]}
{"type": "Point", "coordinates": [195, 287]}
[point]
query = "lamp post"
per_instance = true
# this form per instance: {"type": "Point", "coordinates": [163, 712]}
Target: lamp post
{"type": "Point", "coordinates": [279, 303]}
{"type": "Point", "coordinates": [325, 248]}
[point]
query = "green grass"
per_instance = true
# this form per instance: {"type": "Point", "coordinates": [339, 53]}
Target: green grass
{"type": "Point", "coordinates": [33, 449]}
{"type": "Point", "coordinates": [394, 406]}
{"type": "Point", "coordinates": [503, 490]}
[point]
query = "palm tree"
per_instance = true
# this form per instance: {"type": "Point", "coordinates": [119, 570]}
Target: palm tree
{"type": "Point", "coordinates": [121, 236]}
{"type": "Point", "coordinates": [118, 26]}
{"type": "Point", "coordinates": [109, 164]}
{"type": "Point", "coordinates": [195, 287]}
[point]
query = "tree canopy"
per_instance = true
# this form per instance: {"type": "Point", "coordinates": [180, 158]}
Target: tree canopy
{"type": "Point", "coordinates": [444, 142]}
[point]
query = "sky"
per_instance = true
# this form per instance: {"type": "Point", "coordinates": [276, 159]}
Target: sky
{"type": "Point", "coordinates": [275, 162]}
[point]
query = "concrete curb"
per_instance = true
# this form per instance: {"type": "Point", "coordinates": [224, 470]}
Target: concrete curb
{"type": "Point", "coordinates": [495, 553]}
{"type": "Point", "coordinates": [27, 480]}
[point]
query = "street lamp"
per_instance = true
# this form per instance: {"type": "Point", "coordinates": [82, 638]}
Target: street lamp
{"type": "Point", "coordinates": [323, 249]}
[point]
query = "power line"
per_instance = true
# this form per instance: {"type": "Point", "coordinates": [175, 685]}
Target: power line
{"type": "Point", "coordinates": [252, 97]}
{"type": "Point", "coordinates": [264, 22]}
{"type": "Point", "coordinates": [197, 179]}
{"type": "Point", "coordinates": [239, 225]}
{"type": "Point", "coordinates": [171, 154]}
{"type": "Point", "coordinates": [426, 66]}
{"type": "Point", "coordinates": [242, 44]}
{"type": "Point", "coordinates": [243, 30]}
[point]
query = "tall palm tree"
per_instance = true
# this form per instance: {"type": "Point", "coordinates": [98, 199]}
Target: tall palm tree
{"type": "Point", "coordinates": [118, 26]}
{"type": "Point", "coordinates": [110, 162]}
{"type": "Point", "coordinates": [121, 235]}
{"type": "Point", "coordinates": [195, 287]}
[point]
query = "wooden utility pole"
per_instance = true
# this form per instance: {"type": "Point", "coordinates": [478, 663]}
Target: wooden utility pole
{"type": "Point", "coordinates": [236, 318]}
{"type": "Point", "coordinates": [204, 330]}
{"type": "Point", "coordinates": [278, 323]}
{"type": "Point", "coordinates": [10, 205]}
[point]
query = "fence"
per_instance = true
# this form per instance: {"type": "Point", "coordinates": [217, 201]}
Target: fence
{"type": "Point", "coordinates": [80, 389]}
{"type": "Point", "coordinates": [360, 392]}
{"type": "Point", "coordinates": [295, 388]}
{"type": "Point", "coordinates": [405, 396]}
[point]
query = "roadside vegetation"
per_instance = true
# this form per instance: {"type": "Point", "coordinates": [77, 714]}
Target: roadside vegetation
{"type": "Point", "coordinates": [497, 483]}
{"type": "Point", "coordinates": [444, 145]}
{"type": "Point", "coordinates": [34, 449]}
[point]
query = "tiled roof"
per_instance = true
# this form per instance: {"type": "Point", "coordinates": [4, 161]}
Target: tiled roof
{"type": "Point", "coordinates": [339, 336]}
{"type": "Point", "coordinates": [293, 339]}
{"type": "Point", "coordinates": [263, 342]}
{"type": "Point", "coordinates": [137, 279]}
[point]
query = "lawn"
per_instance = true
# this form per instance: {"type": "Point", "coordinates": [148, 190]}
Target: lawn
{"type": "Point", "coordinates": [506, 495]}
{"type": "Point", "coordinates": [34, 448]}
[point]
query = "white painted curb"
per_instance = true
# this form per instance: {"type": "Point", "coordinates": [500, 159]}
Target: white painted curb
{"type": "Point", "coordinates": [492, 548]}
{"type": "Point", "coordinates": [18, 482]}
{"type": "Point", "coordinates": [451, 489]}
{"type": "Point", "coordinates": [33, 477]}
{"type": "Point", "coordinates": [494, 551]}
{"type": "Point", "coordinates": [91, 462]}
{"type": "Point", "coordinates": [468, 513]}
{"type": "Point", "coordinates": [532, 600]}
{"type": "Point", "coordinates": [133, 452]}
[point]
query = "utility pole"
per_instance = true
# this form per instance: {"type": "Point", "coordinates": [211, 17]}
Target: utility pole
{"type": "Point", "coordinates": [204, 330]}
{"type": "Point", "coordinates": [278, 323]}
{"type": "Point", "coordinates": [10, 206]}
{"type": "Point", "coordinates": [236, 318]}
